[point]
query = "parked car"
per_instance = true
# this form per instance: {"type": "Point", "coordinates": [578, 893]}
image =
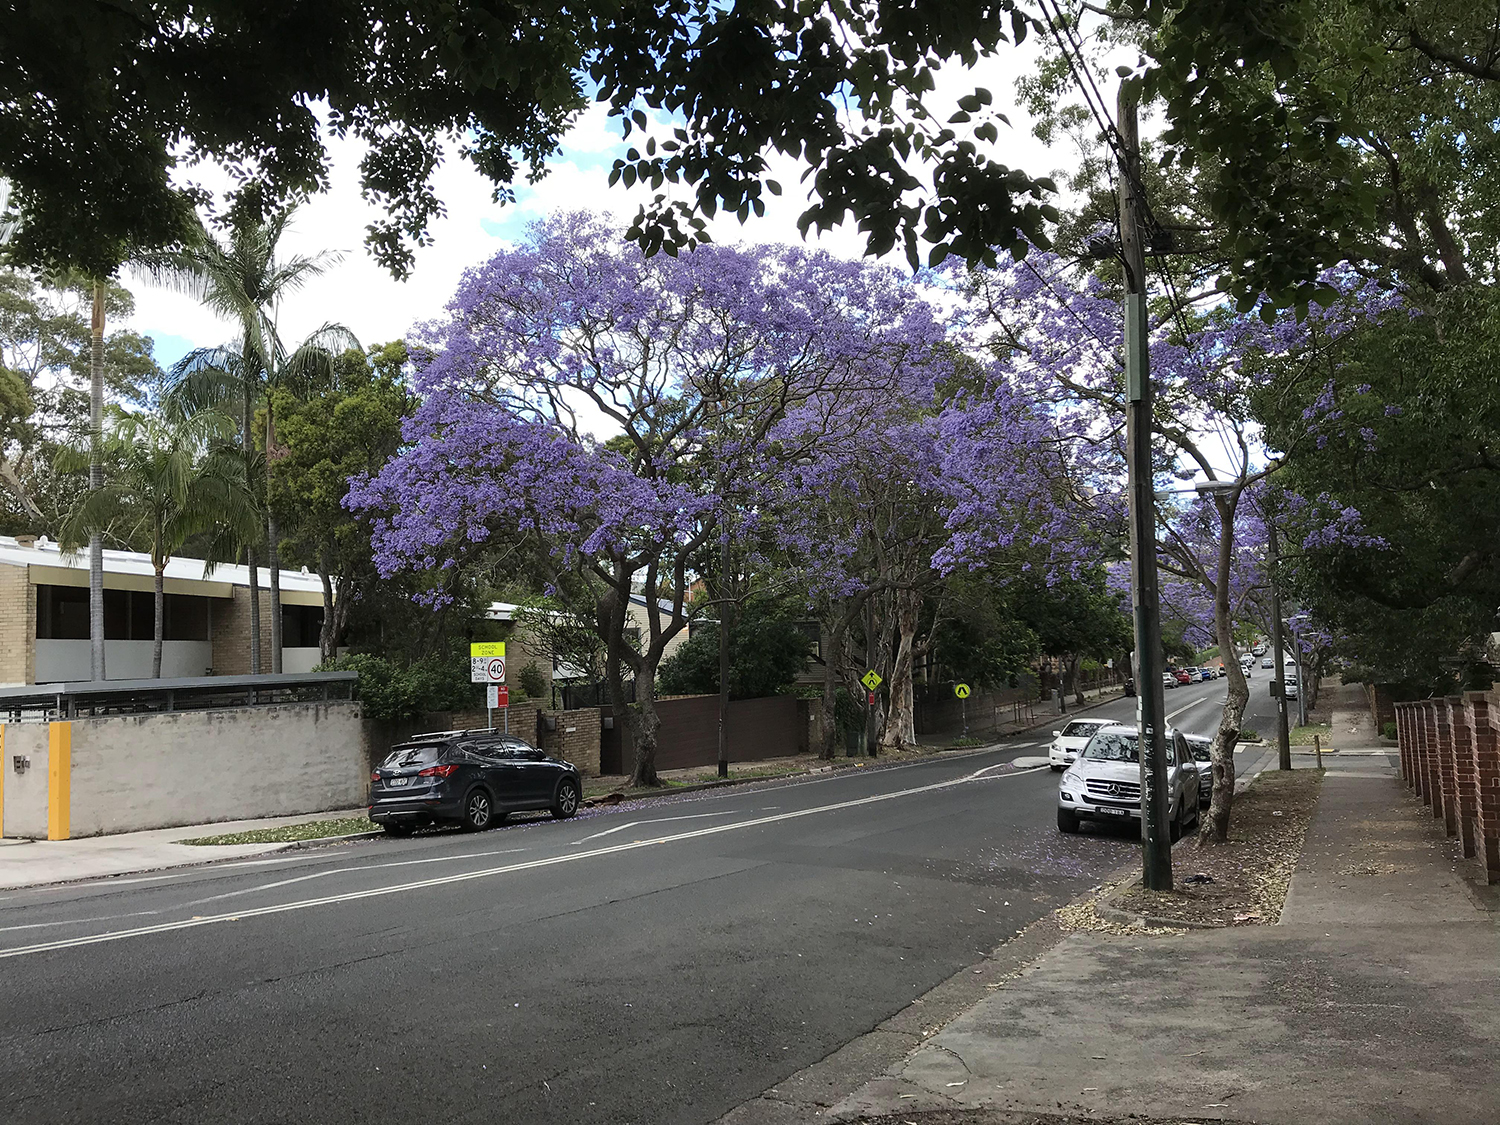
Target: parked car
{"type": "Point", "coordinates": [1066, 743]}
{"type": "Point", "coordinates": [1169, 679]}
{"type": "Point", "coordinates": [1199, 745]}
{"type": "Point", "coordinates": [1183, 676]}
{"type": "Point", "coordinates": [1104, 783]}
{"type": "Point", "coordinates": [471, 778]}
{"type": "Point", "coordinates": [1268, 662]}
{"type": "Point", "coordinates": [1205, 674]}
{"type": "Point", "coordinates": [1290, 688]}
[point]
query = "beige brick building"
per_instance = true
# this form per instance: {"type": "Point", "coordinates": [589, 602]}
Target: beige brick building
{"type": "Point", "coordinates": [44, 616]}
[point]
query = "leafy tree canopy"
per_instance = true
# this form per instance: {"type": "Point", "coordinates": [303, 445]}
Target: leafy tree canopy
{"type": "Point", "coordinates": [767, 649]}
{"type": "Point", "coordinates": [101, 103]}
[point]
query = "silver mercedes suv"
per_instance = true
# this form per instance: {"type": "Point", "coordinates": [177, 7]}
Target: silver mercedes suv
{"type": "Point", "coordinates": [1104, 782]}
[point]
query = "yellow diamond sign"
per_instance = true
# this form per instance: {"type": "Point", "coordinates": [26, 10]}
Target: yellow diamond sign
{"type": "Point", "coordinates": [871, 679]}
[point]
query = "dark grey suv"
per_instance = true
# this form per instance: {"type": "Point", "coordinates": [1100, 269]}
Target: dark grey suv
{"type": "Point", "coordinates": [471, 778]}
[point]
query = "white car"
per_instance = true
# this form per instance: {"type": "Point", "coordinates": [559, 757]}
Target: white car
{"type": "Point", "coordinates": [1066, 743]}
{"type": "Point", "coordinates": [1104, 783]}
{"type": "Point", "coordinates": [1290, 689]}
{"type": "Point", "coordinates": [1268, 662]}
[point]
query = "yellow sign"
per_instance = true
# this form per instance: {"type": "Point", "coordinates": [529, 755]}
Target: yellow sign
{"type": "Point", "coordinates": [871, 679]}
{"type": "Point", "coordinates": [961, 690]}
{"type": "Point", "coordinates": [487, 648]}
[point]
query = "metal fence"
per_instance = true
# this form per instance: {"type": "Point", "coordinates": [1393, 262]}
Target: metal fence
{"type": "Point", "coordinates": [575, 697]}
{"type": "Point", "coordinates": [192, 693]}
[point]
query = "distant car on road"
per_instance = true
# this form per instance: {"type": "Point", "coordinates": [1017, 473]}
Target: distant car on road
{"type": "Point", "coordinates": [1104, 783]}
{"type": "Point", "coordinates": [1169, 679]}
{"type": "Point", "coordinates": [1066, 743]}
{"type": "Point", "coordinates": [1183, 676]}
{"type": "Point", "coordinates": [1268, 662]}
{"type": "Point", "coordinates": [1290, 689]}
{"type": "Point", "coordinates": [1205, 674]}
{"type": "Point", "coordinates": [470, 778]}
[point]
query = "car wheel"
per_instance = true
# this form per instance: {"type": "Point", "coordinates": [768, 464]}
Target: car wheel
{"type": "Point", "coordinates": [479, 811]}
{"type": "Point", "coordinates": [1174, 829]}
{"type": "Point", "coordinates": [1066, 821]}
{"type": "Point", "coordinates": [1056, 768]}
{"type": "Point", "coordinates": [566, 803]}
{"type": "Point", "coordinates": [392, 828]}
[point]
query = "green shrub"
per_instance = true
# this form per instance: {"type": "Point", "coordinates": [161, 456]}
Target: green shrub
{"type": "Point", "coordinates": [531, 681]}
{"type": "Point", "coordinates": [1389, 729]}
{"type": "Point", "coordinates": [394, 693]}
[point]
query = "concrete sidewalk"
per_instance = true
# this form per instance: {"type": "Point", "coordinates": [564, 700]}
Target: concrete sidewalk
{"type": "Point", "coordinates": [1376, 998]}
{"type": "Point", "coordinates": [29, 863]}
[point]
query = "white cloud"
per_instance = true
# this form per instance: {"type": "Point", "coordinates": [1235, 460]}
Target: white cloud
{"type": "Point", "coordinates": [359, 294]}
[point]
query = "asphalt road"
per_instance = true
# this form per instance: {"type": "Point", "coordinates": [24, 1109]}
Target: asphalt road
{"type": "Point", "coordinates": [651, 963]}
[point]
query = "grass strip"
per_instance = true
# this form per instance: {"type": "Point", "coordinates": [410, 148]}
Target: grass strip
{"type": "Point", "coordinates": [289, 833]}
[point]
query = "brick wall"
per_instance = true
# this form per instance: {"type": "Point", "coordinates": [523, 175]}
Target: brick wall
{"type": "Point", "coordinates": [1450, 755]}
{"type": "Point", "coordinates": [17, 626]}
{"type": "Point", "coordinates": [574, 737]}
{"type": "Point", "coordinates": [230, 623]}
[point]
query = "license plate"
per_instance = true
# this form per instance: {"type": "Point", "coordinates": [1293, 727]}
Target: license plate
{"type": "Point", "coordinates": [1112, 812]}
{"type": "Point", "coordinates": [397, 782]}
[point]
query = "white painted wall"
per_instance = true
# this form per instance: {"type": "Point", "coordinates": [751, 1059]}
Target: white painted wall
{"type": "Point", "coordinates": [296, 661]}
{"type": "Point", "coordinates": [25, 797]}
{"type": "Point", "coordinates": [68, 661]}
{"type": "Point", "coordinates": [134, 772]}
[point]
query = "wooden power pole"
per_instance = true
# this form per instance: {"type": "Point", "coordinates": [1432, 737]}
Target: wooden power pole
{"type": "Point", "coordinates": [1145, 595]}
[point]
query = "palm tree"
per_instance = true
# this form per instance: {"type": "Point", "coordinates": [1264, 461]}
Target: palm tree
{"type": "Point", "coordinates": [242, 279]}
{"type": "Point", "coordinates": [169, 480]}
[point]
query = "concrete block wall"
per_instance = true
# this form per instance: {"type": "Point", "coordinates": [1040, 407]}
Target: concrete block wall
{"type": "Point", "coordinates": [17, 626]}
{"type": "Point", "coordinates": [132, 772]}
{"type": "Point", "coordinates": [1450, 756]}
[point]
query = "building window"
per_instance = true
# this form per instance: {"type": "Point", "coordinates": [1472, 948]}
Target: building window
{"type": "Point", "coordinates": [301, 626]}
{"type": "Point", "coordinates": [62, 614]}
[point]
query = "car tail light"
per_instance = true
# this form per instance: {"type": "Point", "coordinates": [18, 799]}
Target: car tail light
{"type": "Point", "coordinates": [374, 775]}
{"type": "Point", "coordinates": [437, 771]}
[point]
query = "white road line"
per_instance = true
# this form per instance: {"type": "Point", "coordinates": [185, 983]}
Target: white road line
{"type": "Point", "coordinates": [659, 820]}
{"type": "Point", "coordinates": [465, 876]}
{"type": "Point", "coordinates": [1173, 714]}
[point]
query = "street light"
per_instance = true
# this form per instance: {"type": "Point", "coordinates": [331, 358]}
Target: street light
{"type": "Point", "coordinates": [1202, 488]}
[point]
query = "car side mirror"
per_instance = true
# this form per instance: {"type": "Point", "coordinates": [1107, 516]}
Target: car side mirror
{"type": "Point", "coordinates": [1056, 733]}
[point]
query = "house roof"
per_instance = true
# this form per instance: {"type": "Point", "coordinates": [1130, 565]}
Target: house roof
{"type": "Point", "coordinates": [48, 565]}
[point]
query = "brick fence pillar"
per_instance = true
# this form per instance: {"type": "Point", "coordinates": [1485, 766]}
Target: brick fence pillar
{"type": "Point", "coordinates": [1433, 753]}
{"type": "Point", "coordinates": [1422, 744]}
{"type": "Point", "coordinates": [1464, 791]}
{"type": "Point", "coordinates": [1447, 770]}
{"type": "Point", "coordinates": [1485, 747]}
{"type": "Point", "coordinates": [1403, 744]}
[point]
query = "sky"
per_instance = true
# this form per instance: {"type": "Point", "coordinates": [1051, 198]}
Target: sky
{"type": "Point", "coordinates": [360, 295]}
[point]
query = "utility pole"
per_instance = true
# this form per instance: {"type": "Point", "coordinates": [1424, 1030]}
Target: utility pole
{"type": "Point", "coordinates": [1145, 596]}
{"type": "Point", "coordinates": [724, 610]}
{"type": "Point", "coordinates": [870, 736]}
{"type": "Point", "coordinates": [96, 482]}
{"type": "Point", "coordinates": [1278, 688]}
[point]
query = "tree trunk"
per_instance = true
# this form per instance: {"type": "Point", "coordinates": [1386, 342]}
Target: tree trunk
{"type": "Point", "coordinates": [1215, 826]}
{"type": "Point", "coordinates": [726, 611]}
{"type": "Point", "coordinates": [160, 598]}
{"type": "Point", "coordinates": [1077, 683]}
{"type": "Point", "coordinates": [335, 611]}
{"type": "Point", "coordinates": [900, 725]}
{"type": "Point", "coordinates": [247, 445]}
{"type": "Point", "coordinates": [96, 482]}
{"type": "Point", "coordinates": [644, 723]}
{"type": "Point", "coordinates": [273, 562]}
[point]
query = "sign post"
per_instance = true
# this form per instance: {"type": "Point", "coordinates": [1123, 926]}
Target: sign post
{"type": "Point", "coordinates": [872, 680]}
{"type": "Point", "coordinates": [487, 666]}
{"type": "Point", "coordinates": [962, 691]}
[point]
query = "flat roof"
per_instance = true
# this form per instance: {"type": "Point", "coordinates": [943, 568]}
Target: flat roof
{"type": "Point", "coordinates": [48, 557]}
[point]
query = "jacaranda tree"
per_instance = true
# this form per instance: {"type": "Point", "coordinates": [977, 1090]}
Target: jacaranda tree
{"type": "Point", "coordinates": [610, 407]}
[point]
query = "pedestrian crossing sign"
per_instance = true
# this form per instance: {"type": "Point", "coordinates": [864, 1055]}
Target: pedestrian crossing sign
{"type": "Point", "coordinates": [961, 690]}
{"type": "Point", "coordinates": [871, 679]}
